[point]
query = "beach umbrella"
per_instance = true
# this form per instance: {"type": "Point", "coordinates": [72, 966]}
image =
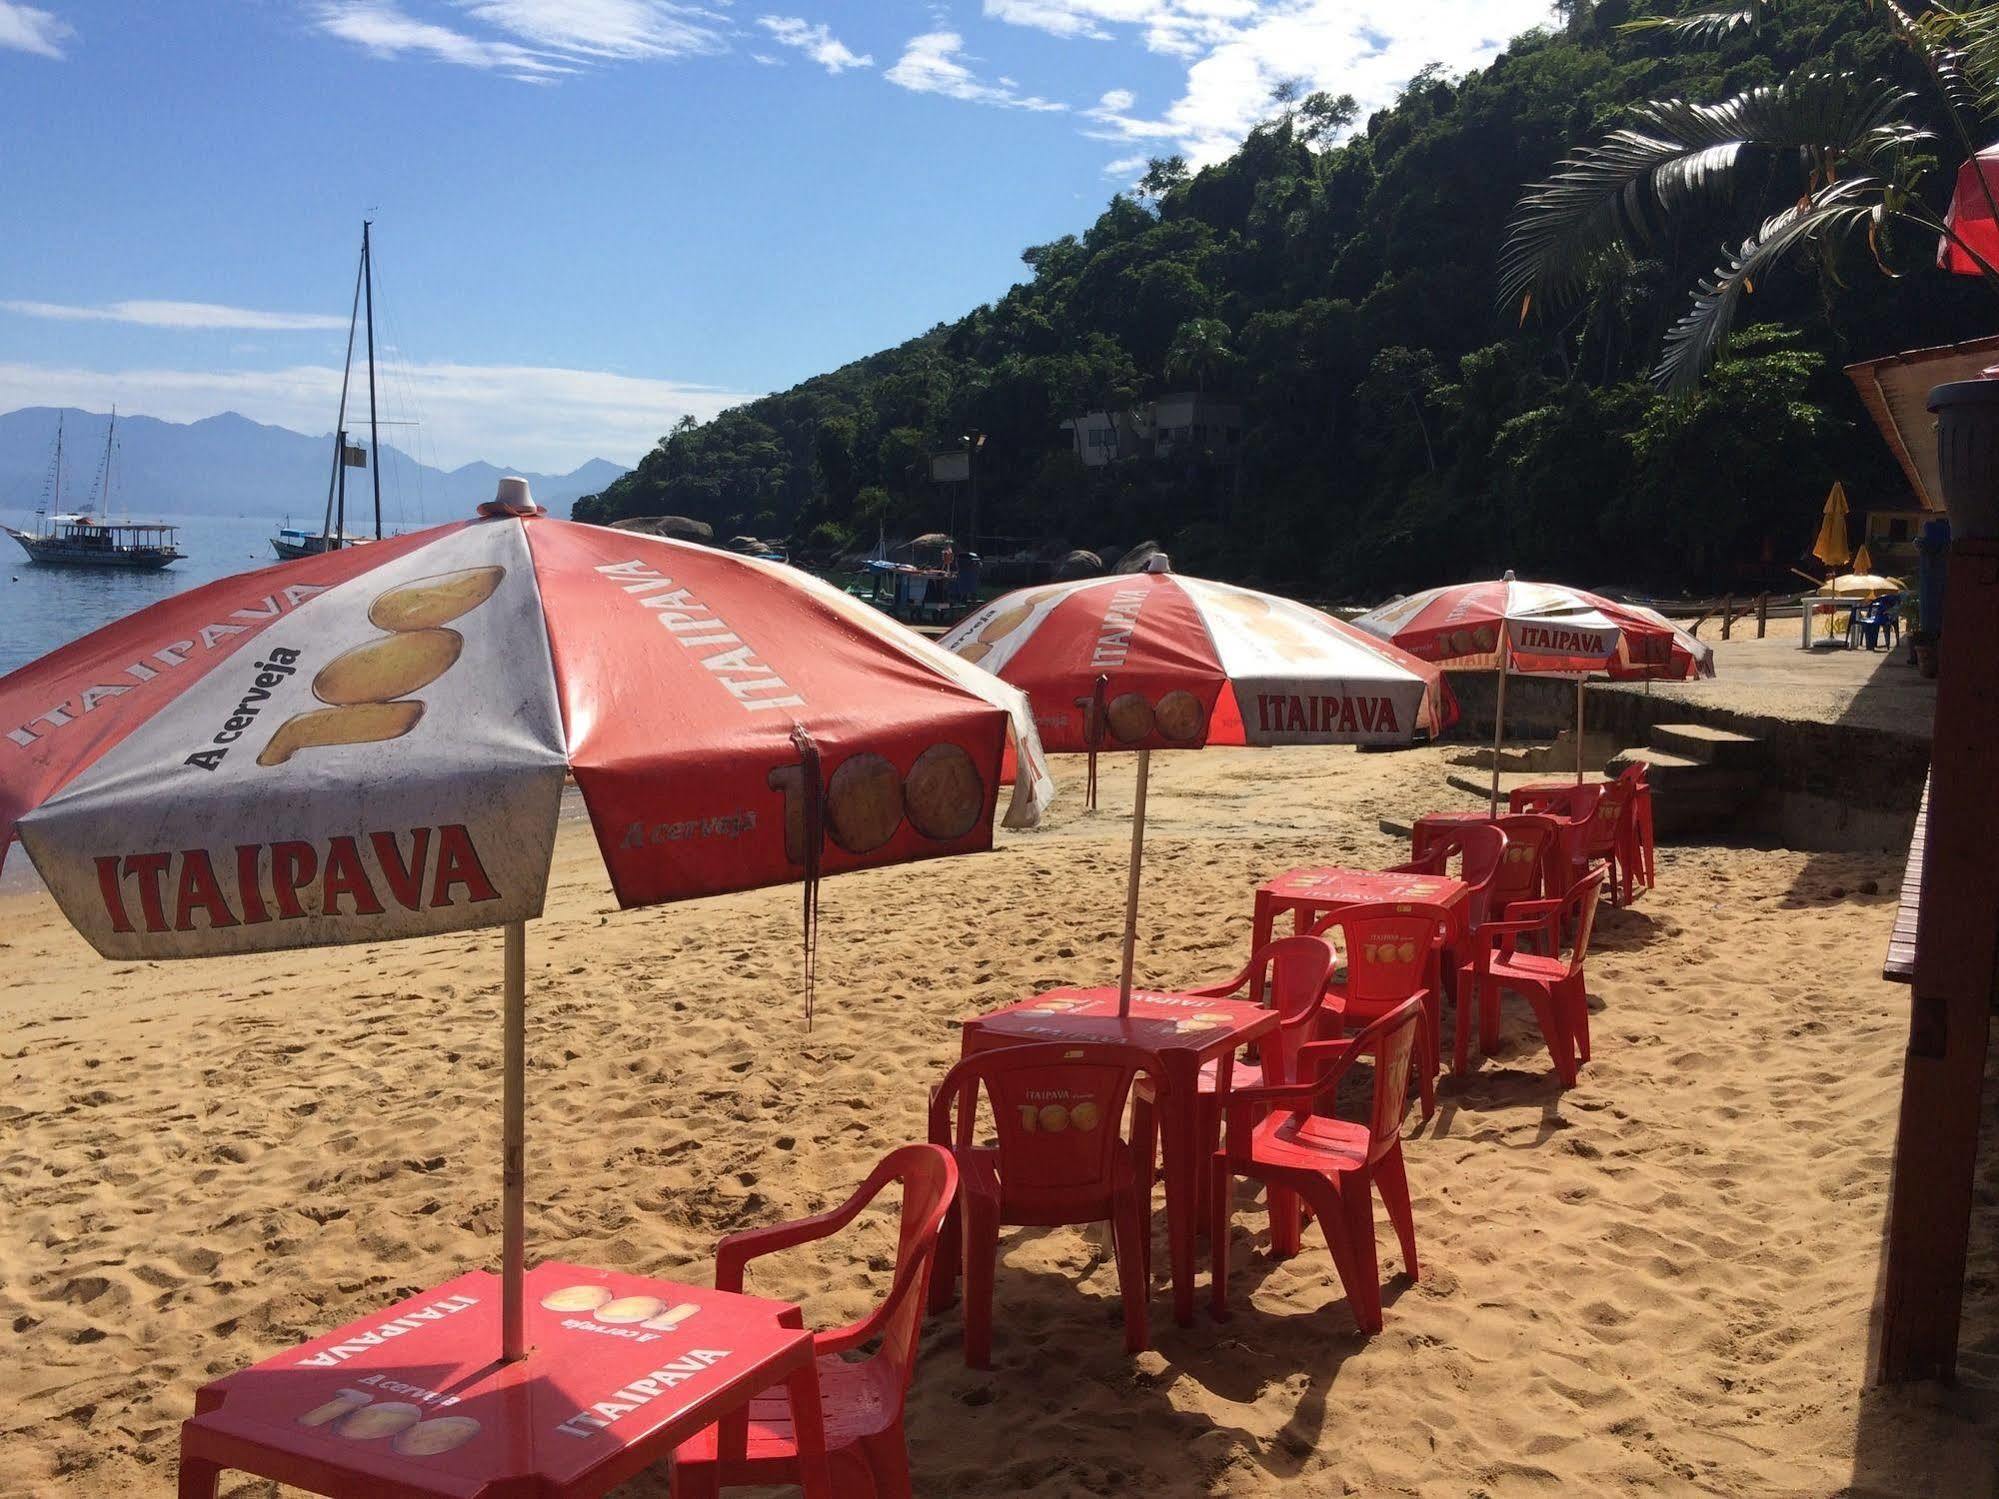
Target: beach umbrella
{"type": "Point", "coordinates": [1154, 660]}
{"type": "Point", "coordinates": [1863, 560]}
{"type": "Point", "coordinates": [1860, 585]}
{"type": "Point", "coordinates": [372, 743]}
{"type": "Point", "coordinates": [1830, 545]}
{"type": "Point", "coordinates": [1970, 217]}
{"type": "Point", "coordinates": [1508, 626]}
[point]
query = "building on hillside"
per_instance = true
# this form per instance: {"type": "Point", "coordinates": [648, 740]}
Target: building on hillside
{"type": "Point", "coordinates": [1186, 425]}
{"type": "Point", "coordinates": [1103, 437]}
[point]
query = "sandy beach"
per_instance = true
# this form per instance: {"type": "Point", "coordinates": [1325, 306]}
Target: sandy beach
{"type": "Point", "coordinates": [1659, 1283]}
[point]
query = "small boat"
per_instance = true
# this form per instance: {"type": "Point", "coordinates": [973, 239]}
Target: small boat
{"type": "Point", "coordinates": [294, 541]}
{"type": "Point", "coordinates": [935, 586]}
{"type": "Point", "coordinates": [81, 539]}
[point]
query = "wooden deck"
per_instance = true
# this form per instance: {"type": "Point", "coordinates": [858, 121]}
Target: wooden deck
{"type": "Point", "coordinates": [1900, 965]}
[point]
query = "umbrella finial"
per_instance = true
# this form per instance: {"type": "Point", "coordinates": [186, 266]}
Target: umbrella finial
{"type": "Point", "coordinates": [1158, 562]}
{"type": "Point", "coordinates": [1509, 576]}
{"type": "Point", "coordinates": [511, 498]}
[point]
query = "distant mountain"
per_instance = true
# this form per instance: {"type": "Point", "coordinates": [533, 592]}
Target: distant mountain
{"type": "Point", "coordinates": [230, 465]}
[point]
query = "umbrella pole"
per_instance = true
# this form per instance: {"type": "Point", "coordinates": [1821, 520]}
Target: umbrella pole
{"type": "Point", "coordinates": [1499, 722]}
{"type": "Point", "coordinates": [513, 1175]}
{"type": "Point", "coordinates": [1579, 729]}
{"type": "Point", "coordinates": [1131, 884]}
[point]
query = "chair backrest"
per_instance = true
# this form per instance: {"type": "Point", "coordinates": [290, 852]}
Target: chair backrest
{"type": "Point", "coordinates": [1057, 1109]}
{"type": "Point", "coordinates": [1296, 970]}
{"type": "Point", "coordinates": [929, 1178]}
{"type": "Point", "coordinates": [1633, 775]}
{"type": "Point", "coordinates": [1388, 1041]}
{"type": "Point", "coordinates": [1388, 947]}
{"type": "Point", "coordinates": [1606, 817]}
{"type": "Point", "coordinates": [1527, 870]}
{"type": "Point", "coordinates": [1579, 914]}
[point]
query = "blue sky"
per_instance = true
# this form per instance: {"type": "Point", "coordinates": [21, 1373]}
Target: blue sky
{"type": "Point", "coordinates": [592, 216]}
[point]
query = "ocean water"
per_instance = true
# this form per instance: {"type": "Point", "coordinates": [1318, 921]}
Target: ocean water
{"type": "Point", "coordinates": [42, 608]}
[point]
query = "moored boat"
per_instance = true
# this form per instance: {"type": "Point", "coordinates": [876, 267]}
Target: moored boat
{"type": "Point", "coordinates": [82, 539]}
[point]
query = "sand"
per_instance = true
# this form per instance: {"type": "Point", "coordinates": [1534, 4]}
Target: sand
{"type": "Point", "coordinates": [1658, 1283]}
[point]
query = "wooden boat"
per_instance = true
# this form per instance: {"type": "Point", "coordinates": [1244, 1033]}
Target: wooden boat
{"type": "Point", "coordinates": [82, 539]}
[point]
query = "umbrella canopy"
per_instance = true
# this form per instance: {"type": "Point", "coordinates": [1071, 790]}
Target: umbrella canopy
{"type": "Point", "coordinates": [1969, 216]}
{"type": "Point", "coordinates": [1188, 662]}
{"type": "Point", "coordinates": [1531, 627]}
{"type": "Point", "coordinates": [1863, 560]}
{"type": "Point", "coordinates": [1830, 545]}
{"type": "Point", "coordinates": [372, 743]}
{"type": "Point", "coordinates": [1153, 660]}
{"type": "Point", "coordinates": [1861, 586]}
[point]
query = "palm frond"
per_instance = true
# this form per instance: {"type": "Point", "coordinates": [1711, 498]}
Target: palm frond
{"type": "Point", "coordinates": [1675, 152]}
{"type": "Point", "coordinates": [1955, 48]}
{"type": "Point", "coordinates": [1693, 343]}
{"type": "Point", "coordinates": [1698, 26]}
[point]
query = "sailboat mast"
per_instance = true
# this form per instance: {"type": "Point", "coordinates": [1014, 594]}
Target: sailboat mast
{"type": "Point", "coordinates": [55, 499]}
{"type": "Point", "coordinates": [374, 441]}
{"type": "Point", "coordinates": [337, 480]}
{"type": "Point", "coordinates": [109, 432]}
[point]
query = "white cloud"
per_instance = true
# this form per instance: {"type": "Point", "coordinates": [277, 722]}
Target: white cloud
{"type": "Point", "coordinates": [387, 31]}
{"type": "Point", "coordinates": [541, 418]}
{"type": "Point", "coordinates": [26, 29]}
{"type": "Point", "coordinates": [816, 42]}
{"type": "Point", "coordinates": [534, 41]}
{"type": "Point", "coordinates": [179, 315]}
{"type": "Point", "coordinates": [929, 65]}
{"type": "Point", "coordinates": [605, 28]}
{"type": "Point", "coordinates": [767, 60]}
{"type": "Point", "coordinates": [1237, 50]}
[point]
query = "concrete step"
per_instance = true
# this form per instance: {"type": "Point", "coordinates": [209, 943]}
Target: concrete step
{"type": "Point", "coordinates": [1709, 746]}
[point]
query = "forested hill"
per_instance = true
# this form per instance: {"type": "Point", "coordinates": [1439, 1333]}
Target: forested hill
{"type": "Point", "coordinates": [1398, 428]}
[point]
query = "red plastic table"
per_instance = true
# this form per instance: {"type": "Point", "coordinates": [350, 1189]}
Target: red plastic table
{"type": "Point", "coordinates": [1183, 1032]}
{"type": "Point", "coordinates": [1517, 797]}
{"type": "Point", "coordinates": [1311, 893]}
{"type": "Point", "coordinates": [414, 1400]}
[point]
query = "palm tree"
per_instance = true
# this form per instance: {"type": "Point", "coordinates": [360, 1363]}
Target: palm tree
{"type": "Point", "coordinates": [1200, 349]}
{"type": "Point", "coordinates": [1852, 143]}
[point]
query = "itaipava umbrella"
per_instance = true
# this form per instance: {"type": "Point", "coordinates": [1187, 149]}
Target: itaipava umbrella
{"type": "Point", "coordinates": [372, 743]}
{"type": "Point", "coordinates": [1155, 660]}
{"type": "Point", "coordinates": [1512, 626]}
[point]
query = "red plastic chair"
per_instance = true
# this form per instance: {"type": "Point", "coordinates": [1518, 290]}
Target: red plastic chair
{"type": "Point", "coordinates": [863, 1400]}
{"type": "Point", "coordinates": [1607, 840]}
{"type": "Point", "coordinates": [1060, 1158]}
{"type": "Point", "coordinates": [1288, 976]}
{"type": "Point", "coordinates": [1638, 824]}
{"type": "Point", "coordinates": [1275, 1136]}
{"type": "Point", "coordinates": [1480, 851]}
{"type": "Point", "coordinates": [1393, 953]}
{"type": "Point", "coordinates": [1529, 870]}
{"type": "Point", "coordinates": [1551, 984]}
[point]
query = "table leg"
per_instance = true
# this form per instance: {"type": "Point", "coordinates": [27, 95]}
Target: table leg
{"type": "Point", "coordinates": [198, 1477]}
{"type": "Point", "coordinates": [1259, 935]}
{"type": "Point", "coordinates": [1179, 1135]}
{"type": "Point", "coordinates": [808, 1423]}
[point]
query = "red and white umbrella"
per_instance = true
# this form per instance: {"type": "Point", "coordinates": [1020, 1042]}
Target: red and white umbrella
{"type": "Point", "coordinates": [372, 743]}
{"type": "Point", "coordinates": [1155, 660]}
{"type": "Point", "coordinates": [1512, 626]}
{"type": "Point", "coordinates": [1970, 217]}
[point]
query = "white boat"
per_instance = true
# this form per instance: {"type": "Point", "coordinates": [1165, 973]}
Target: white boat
{"type": "Point", "coordinates": [82, 539]}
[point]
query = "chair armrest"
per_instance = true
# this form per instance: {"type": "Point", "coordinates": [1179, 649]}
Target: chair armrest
{"type": "Point", "coordinates": [1222, 990]}
{"type": "Point", "coordinates": [733, 1253]}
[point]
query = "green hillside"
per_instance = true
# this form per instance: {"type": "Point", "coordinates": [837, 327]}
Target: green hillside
{"type": "Point", "coordinates": [1398, 428]}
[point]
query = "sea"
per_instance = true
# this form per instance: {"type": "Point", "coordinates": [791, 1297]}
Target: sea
{"type": "Point", "coordinates": [42, 608]}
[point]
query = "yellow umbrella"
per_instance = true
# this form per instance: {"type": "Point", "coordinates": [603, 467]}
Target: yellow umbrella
{"type": "Point", "coordinates": [1861, 585]}
{"type": "Point", "coordinates": [1863, 562]}
{"type": "Point", "coordinates": [1831, 547]}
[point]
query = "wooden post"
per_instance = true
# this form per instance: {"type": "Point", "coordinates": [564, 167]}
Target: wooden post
{"type": "Point", "coordinates": [1762, 614]}
{"type": "Point", "coordinates": [1727, 614]}
{"type": "Point", "coordinates": [513, 1149]}
{"type": "Point", "coordinates": [1131, 883]}
{"type": "Point", "coordinates": [1499, 714]}
{"type": "Point", "coordinates": [1957, 944]}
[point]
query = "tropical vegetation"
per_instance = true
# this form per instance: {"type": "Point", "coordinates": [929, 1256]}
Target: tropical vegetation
{"type": "Point", "coordinates": [1443, 329]}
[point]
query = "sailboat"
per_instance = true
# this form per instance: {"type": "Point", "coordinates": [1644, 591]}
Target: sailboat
{"type": "Point", "coordinates": [83, 539]}
{"type": "Point", "coordinates": [294, 541]}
